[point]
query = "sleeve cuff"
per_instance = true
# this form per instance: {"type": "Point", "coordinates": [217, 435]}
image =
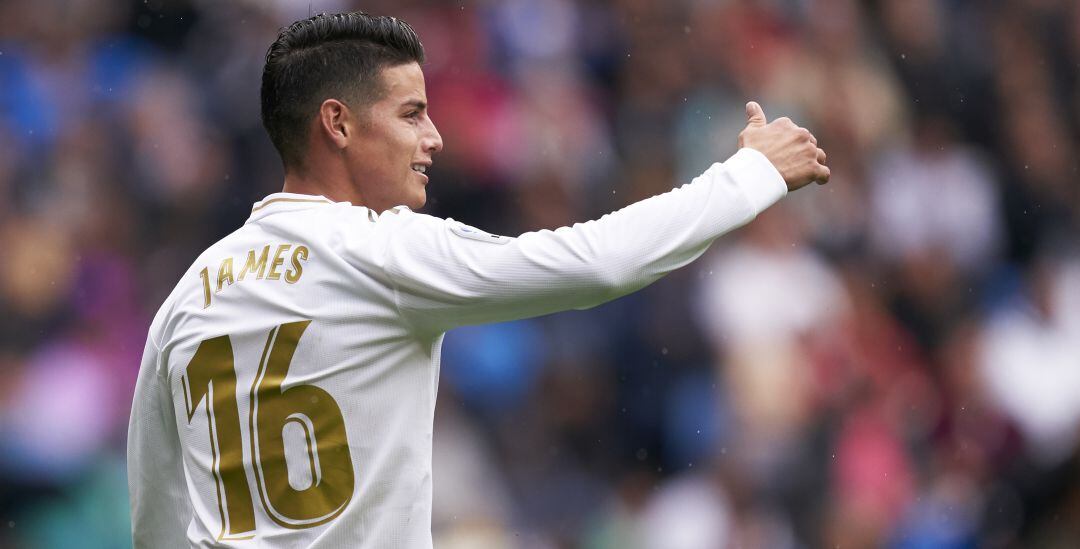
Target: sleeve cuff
{"type": "Point", "coordinates": [757, 178]}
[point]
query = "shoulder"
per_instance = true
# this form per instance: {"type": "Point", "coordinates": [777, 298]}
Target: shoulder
{"type": "Point", "coordinates": [403, 216]}
{"type": "Point", "coordinates": [404, 221]}
{"type": "Point", "coordinates": [402, 224]}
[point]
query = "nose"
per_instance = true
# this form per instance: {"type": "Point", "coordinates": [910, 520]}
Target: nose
{"type": "Point", "coordinates": [432, 142]}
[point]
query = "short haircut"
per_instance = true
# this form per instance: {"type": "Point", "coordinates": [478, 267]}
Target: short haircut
{"type": "Point", "coordinates": [327, 56]}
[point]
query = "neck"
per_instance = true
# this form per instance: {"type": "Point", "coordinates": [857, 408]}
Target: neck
{"type": "Point", "coordinates": [336, 188]}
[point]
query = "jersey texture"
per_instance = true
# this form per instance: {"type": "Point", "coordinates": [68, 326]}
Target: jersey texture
{"type": "Point", "coordinates": [287, 390]}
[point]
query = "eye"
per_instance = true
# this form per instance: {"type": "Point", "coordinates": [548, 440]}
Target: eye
{"type": "Point", "coordinates": [413, 114]}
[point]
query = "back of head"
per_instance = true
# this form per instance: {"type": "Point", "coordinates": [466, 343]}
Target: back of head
{"type": "Point", "coordinates": [335, 56]}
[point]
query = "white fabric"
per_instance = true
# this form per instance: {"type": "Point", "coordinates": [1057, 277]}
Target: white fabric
{"type": "Point", "coordinates": [381, 290]}
{"type": "Point", "coordinates": [1030, 365]}
{"type": "Point", "coordinates": [689, 512]}
{"type": "Point", "coordinates": [749, 300]}
{"type": "Point", "coordinates": [952, 196]}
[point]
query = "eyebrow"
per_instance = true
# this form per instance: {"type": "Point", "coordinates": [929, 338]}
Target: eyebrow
{"type": "Point", "coordinates": [415, 103]}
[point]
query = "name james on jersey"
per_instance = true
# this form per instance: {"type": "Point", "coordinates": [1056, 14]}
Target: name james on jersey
{"type": "Point", "coordinates": [256, 264]}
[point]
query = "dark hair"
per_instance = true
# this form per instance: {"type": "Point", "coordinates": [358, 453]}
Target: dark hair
{"type": "Point", "coordinates": [329, 55]}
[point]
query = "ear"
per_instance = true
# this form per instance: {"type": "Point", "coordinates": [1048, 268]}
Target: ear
{"type": "Point", "coordinates": [333, 121]}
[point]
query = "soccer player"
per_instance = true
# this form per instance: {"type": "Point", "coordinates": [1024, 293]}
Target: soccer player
{"type": "Point", "coordinates": [287, 390]}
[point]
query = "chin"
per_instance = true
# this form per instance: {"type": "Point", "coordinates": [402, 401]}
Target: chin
{"type": "Point", "coordinates": [419, 197]}
{"type": "Point", "coordinates": [416, 201]}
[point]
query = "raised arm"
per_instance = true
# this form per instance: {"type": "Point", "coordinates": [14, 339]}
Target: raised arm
{"type": "Point", "coordinates": [447, 274]}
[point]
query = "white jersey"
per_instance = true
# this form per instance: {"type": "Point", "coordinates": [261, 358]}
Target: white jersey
{"type": "Point", "coordinates": [287, 391]}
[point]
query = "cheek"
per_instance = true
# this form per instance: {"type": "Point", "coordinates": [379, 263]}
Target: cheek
{"type": "Point", "coordinates": [410, 140]}
{"type": "Point", "coordinates": [405, 150]}
{"type": "Point", "coordinates": [392, 156]}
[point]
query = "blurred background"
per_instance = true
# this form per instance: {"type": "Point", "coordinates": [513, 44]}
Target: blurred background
{"type": "Point", "coordinates": [891, 360]}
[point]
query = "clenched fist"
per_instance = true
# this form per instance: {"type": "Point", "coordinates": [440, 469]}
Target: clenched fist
{"type": "Point", "coordinates": [791, 149]}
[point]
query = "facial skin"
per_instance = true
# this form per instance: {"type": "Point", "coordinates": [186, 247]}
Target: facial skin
{"type": "Point", "coordinates": [396, 135]}
{"type": "Point", "coordinates": [366, 155]}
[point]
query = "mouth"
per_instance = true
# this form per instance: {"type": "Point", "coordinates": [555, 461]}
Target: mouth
{"type": "Point", "coordinates": [420, 168]}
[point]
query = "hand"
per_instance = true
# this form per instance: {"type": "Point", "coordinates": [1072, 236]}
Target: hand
{"type": "Point", "coordinates": [791, 149]}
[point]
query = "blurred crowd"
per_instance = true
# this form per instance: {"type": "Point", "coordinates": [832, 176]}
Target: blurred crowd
{"type": "Point", "coordinates": [890, 360]}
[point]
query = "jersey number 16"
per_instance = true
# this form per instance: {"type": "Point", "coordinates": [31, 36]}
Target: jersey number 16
{"type": "Point", "coordinates": [211, 375]}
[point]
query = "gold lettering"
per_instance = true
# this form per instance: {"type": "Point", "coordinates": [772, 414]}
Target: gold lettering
{"type": "Point", "coordinates": [251, 264]}
{"type": "Point", "coordinates": [205, 274]}
{"type": "Point", "coordinates": [278, 261]}
{"type": "Point", "coordinates": [224, 273]}
{"type": "Point", "coordinates": [294, 274]}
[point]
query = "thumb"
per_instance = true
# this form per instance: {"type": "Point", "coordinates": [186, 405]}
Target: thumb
{"type": "Point", "coordinates": [755, 117]}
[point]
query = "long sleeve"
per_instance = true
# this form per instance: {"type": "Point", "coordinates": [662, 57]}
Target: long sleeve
{"type": "Point", "coordinates": [160, 510]}
{"type": "Point", "coordinates": [447, 274]}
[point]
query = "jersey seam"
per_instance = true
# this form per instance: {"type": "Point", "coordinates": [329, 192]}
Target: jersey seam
{"type": "Point", "coordinates": [751, 212]}
{"type": "Point", "coordinates": [394, 286]}
{"type": "Point", "coordinates": [157, 346]}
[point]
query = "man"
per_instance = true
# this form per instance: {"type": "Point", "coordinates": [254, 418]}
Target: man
{"type": "Point", "coordinates": [287, 390]}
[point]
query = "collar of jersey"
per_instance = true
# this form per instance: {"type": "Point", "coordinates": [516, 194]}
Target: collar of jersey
{"type": "Point", "coordinates": [287, 202]}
